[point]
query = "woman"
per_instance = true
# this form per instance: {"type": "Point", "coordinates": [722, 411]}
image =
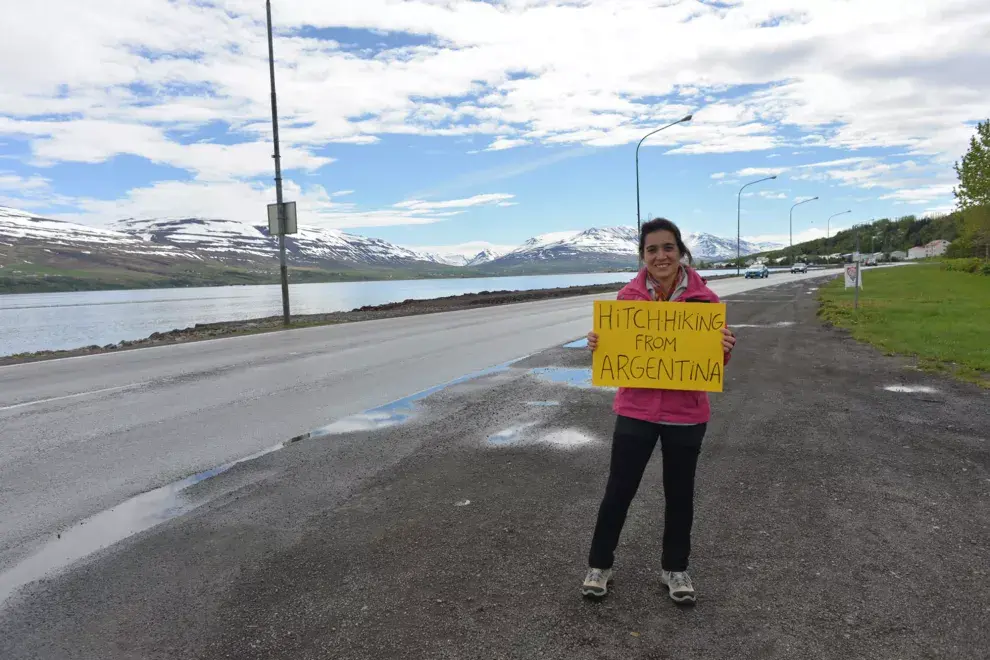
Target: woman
{"type": "Point", "coordinates": [677, 418]}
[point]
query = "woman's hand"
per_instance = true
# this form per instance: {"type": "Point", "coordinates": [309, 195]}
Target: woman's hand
{"type": "Point", "coordinates": [728, 340]}
{"type": "Point", "coordinates": [592, 340]}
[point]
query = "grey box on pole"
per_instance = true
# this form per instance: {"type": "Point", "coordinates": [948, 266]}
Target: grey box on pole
{"type": "Point", "coordinates": [290, 219]}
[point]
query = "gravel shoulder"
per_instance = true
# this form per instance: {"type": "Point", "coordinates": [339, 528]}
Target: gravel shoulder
{"type": "Point", "coordinates": [836, 518]}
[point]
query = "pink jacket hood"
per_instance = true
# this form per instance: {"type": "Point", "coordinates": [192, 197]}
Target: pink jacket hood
{"type": "Point", "coordinates": [666, 406]}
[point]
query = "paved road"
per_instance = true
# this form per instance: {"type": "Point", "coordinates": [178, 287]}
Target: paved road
{"type": "Point", "coordinates": [80, 435]}
{"type": "Point", "coordinates": [836, 518]}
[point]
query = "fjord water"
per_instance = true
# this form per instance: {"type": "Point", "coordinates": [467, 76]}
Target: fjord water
{"type": "Point", "coordinates": [55, 321]}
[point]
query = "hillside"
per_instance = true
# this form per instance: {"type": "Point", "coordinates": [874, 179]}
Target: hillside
{"type": "Point", "coordinates": [884, 235]}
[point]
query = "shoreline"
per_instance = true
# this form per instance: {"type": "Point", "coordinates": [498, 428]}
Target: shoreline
{"type": "Point", "coordinates": [408, 307]}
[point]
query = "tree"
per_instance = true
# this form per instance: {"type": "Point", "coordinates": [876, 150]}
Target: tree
{"type": "Point", "coordinates": [974, 172]}
{"type": "Point", "coordinates": [976, 229]}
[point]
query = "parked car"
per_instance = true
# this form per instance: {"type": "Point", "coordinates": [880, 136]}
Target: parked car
{"type": "Point", "coordinates": [757, 270]}
{"type": "Point", "coordinates": [799, 268]}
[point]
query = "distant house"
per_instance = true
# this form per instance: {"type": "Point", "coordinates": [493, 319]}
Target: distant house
{"type": "Point", "coordinates": [898, 255]}
{"type": "Point", "coordinates": [936, 248]}
{"type": "Point", "coordinates": [917, 252]}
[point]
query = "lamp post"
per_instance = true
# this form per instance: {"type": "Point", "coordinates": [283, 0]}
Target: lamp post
{"type": "Point", "coordinates": [792, 225]}
{"type": "Point", "coordinates": [278, 175]}
{"type": "Point", "coordinates": [829, 223]}
{"type": "Point", "coordinates": [739, 217]}
{"type": "Point", "coordinates": [679, 121]}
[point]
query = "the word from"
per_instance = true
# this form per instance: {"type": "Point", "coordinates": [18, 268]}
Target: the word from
{"type": "Point", "coordinates": [659, 345]}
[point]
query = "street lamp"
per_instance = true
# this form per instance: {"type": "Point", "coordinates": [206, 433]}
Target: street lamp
{"type": "Point", "coordinates": [679, 121]}
{"type": "Point", "coordinates": [792, 225]}
{"type": "Point", "coordinates": [829, 223]}
{"type": "Point", "coordinates": [739, 217]}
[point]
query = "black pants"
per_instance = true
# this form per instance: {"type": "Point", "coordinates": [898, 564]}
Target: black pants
{"type": "Point", "coordinates": [632, 446]}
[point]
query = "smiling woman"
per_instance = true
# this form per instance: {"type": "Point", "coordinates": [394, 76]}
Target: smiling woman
{"type": "Point", "coordinates": [677, 419]}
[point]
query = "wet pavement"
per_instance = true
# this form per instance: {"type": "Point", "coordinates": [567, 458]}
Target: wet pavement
{"type": "Point", "coordinates": [842, 512]}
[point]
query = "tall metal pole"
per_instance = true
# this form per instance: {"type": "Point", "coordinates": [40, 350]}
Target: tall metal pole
{"type": "Point", "coordinates": [638, 217]}
{"type": "Point", "coordinates": [791, 250]}
{"type": "Point", "coordinates": [278, 175]}
{"type": "Point", "coordinates": [739, 218]}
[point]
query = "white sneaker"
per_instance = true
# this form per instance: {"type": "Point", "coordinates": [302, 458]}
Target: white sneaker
{"type": "Point", "coordinates": [596, 583]}
{"type": "Point", "coordinates": [679, 584]}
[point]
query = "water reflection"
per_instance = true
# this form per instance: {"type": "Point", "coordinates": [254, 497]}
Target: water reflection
{"type": "Point", "coordinates": [397, 412]}
{"type": "Point", "coordinates": [113, 525]}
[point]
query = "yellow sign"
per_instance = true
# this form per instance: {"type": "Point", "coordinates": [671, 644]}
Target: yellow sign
{"type": "Point", "coordinates": [659, 345]}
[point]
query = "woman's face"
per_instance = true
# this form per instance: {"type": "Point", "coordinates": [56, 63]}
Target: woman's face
{"type": "Point", "coordinates": [661, 255]}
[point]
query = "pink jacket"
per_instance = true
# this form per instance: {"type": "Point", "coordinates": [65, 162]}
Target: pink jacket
{"type": "Point", "coordinates": [666, 406]}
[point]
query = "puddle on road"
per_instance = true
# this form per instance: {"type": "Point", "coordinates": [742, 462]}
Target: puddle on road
{"type": "Point", "coordinates": [543, 404]}
{"type": "Point", "coordinates": [564, 376]}
{"type": "Point", "coordinates": [518, 435]}
{"type": "Point", "coordinates": [567, 438]}
{"type": "Point", "coordinates": [510, 436]}
{"type": "Point", "coordinates": [580, 343]}
{"type": "Point", "coordinates": [911, 389]}
{"type": "Point", "coordinates": [372, 420]}
{"type": "Point", "coordinates": [397, 412]}
{"type": "Point", "coordinates": [102, 530]}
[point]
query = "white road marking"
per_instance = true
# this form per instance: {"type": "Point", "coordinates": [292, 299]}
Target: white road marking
{"type": "Point", "coordinates": [73, 396]}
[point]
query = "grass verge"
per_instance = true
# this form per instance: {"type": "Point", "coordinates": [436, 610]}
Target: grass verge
{"type": "Point", "coordinates": [941, 317]}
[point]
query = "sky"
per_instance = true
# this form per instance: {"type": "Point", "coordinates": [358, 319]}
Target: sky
{"type": "Point", "coordinates": [456, 125]}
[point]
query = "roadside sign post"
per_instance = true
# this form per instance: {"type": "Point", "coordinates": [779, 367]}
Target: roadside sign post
{"type": "Point", "coordinates": [854, 278]}
{"type": "Point", "coordinates": [856, 293]}
{"type": "Point", "coordinates": [282, 221]}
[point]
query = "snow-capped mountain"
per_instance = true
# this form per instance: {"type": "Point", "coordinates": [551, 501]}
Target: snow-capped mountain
{"type": "Point", "coordinates": [596, 248]}
{"type": "Point", "coordinates": [201, 251]}
{"type": "Point", "coordinates": [714, 248]}
{"type": "Point", "coordinates": [483, 257]}
{"type": "Point", "coordinates": [615, 247]}
{"type": "Point", "coordinates": [58, 236]}
{"type": "Point", "coordinates": [232, 240]}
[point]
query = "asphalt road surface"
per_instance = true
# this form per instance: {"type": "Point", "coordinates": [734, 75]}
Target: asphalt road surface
{"type": "Point", "coordinates": [842, 512]}
{"type": "Point", "coordinates": [81, 435]}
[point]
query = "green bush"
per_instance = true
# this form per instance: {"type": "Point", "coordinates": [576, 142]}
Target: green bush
{"type": "Point", "coordinates": [971, 265]}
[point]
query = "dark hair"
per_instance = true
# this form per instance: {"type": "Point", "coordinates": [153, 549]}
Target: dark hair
{"type": "Point", "coordinates": [663, 224]}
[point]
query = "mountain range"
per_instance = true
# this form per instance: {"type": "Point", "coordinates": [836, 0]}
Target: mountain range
{"type": "Point", "coordinates": [43, 254]}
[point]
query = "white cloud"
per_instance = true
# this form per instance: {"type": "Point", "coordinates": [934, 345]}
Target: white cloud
{"type": "Point", "coordinates": [247, 202]}
{"type": "Point", "coordinates": [15, 182]}
{"type": "Point", "coordinates": [84, 81]}
{"type": "Point", "coordinates": [922, 195]}
{"type": "Point", "coordinates": [503, 143]}
{"type": "Point", "coordinates": [719, 175]}
{"type": "Point", "coordinates": [477, 200]}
